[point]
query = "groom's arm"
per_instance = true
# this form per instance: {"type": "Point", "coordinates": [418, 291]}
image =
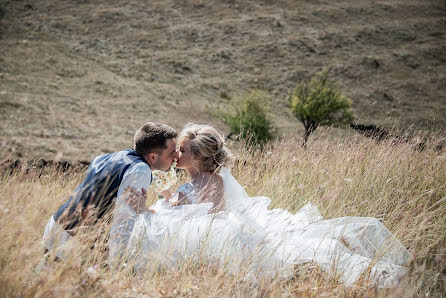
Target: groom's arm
{"type": "Point", "coordinates": [129, 203]}
{"type": "Point", "coordinates": [134, 186]}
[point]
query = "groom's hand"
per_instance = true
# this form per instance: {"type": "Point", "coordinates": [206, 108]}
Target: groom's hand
{"type": "Point", "coordinates": [136, 199]}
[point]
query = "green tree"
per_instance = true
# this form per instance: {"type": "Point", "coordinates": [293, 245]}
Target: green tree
{"type": "Point", "coordinates": [320, 102]}
{"type": "Point", "coordinates": [249, 119]}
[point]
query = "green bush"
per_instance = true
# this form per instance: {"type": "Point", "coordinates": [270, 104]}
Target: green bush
{"type": "Point", "coordinates": [320, 102]}
{"type": "Point", "coordinates": [249, 119]}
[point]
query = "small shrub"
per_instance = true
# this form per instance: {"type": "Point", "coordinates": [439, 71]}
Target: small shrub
{"type": "Point", "coordinates": [250, 120]}
{"type": "Point", "coordinates": [320, 102]}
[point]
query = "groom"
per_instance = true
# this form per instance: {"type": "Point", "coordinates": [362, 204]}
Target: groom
{"type": "Point", "coordinates": [110, 176]}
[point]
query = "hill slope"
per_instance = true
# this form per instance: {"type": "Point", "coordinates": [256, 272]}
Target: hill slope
{"type": "Point", "coordinates": [78, 77]}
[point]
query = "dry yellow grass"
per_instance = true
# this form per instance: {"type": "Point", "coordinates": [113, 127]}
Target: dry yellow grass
{"type": "Point", "coordinates": [341, 175]}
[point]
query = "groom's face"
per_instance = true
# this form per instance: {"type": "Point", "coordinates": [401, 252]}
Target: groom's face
{"type": "Point", "coordinates": [166, 157]}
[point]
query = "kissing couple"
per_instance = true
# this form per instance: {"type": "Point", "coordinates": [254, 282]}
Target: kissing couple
{"type": "Point", "coordinates": [212, 219]}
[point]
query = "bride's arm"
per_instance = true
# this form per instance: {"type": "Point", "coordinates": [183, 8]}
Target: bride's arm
{"type": "Point", "coordinates": [167, 194]}
{"type": "Point", "coordinates": [182, 200]}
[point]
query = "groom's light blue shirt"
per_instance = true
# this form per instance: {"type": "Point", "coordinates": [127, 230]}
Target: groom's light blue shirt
{"type": "Point", "coordinates": [139, 176]}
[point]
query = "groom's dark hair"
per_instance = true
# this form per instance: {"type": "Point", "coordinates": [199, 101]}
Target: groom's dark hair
{"type": "Point", "coordinates": [151, 137]}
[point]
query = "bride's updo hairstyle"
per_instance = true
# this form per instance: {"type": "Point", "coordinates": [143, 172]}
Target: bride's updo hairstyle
{"type": "Point", "coordinates": [207, 146]}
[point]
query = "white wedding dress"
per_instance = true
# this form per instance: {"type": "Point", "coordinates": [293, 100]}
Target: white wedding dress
{"type": "Point", "coordinates": [249, 239]}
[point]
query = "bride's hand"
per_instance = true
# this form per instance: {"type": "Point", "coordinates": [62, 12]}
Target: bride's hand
{"type": "Point", "coordinates": [179, 199]}
{"type": "Point", "coordinates": [167, 194]}
{"type": "Point", "coordinates": [136, 199]}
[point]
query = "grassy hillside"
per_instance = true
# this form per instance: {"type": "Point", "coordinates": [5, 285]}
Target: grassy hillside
{"type": "Point", "coordinates": [78, 77]}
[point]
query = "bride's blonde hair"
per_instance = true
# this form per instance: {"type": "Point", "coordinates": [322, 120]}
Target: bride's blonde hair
{"type": "Point", "coordinates": [208, 146]}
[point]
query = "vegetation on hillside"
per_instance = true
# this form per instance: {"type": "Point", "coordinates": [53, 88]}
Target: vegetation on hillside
{"type": "Point", "coordinates": [319, 102]}
{"type": "Point", "coordinates": [78, 77]}
{"type": "Point", "coordinates": [249, 118]}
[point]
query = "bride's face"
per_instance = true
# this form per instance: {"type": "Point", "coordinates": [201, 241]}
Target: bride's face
{"type": "Point", "coordinates": [185, 155]}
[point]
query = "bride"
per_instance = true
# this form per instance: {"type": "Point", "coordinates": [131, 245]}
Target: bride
{"type": "Point", "coordinates": [212, 219]}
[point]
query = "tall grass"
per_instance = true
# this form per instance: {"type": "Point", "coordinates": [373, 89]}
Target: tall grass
{"type": "Point", "coordinates": [343, 176]}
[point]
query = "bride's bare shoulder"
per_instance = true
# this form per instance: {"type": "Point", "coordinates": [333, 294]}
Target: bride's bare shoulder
{"type": "Point", "coordinates": [207, 179]}
{"type": "Point", "coordinates": [215, 179]}
{"type": "Point", "coordinates": [209, 186]}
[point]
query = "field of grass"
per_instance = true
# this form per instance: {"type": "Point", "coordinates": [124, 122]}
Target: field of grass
{"type": "Point", "coordinates": [78, 77]}
{"type": "Point", "coordinates": [343, 176]}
